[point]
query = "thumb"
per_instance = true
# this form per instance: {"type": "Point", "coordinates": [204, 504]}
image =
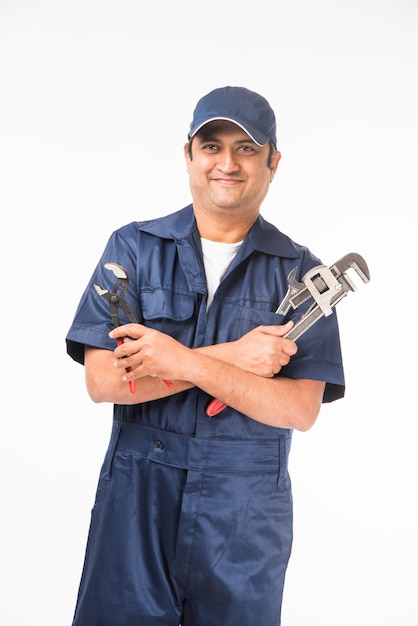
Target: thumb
{"type": "Point", "coordinates": [284, 328]}
{"type": "Point", "coordinates": [278, 330]}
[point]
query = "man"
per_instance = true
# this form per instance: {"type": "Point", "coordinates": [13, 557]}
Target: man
{"type": "Point", "coordinates": [192, 522]}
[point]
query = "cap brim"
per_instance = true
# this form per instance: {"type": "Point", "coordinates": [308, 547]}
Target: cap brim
{"type": "Point", "coordinates": [259, 138]}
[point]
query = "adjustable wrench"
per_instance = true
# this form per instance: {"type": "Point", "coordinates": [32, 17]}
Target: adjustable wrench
{"type": "Point", "coordinates": [326, 286]}
{"type": "Point", "coordinates": [117, 301]}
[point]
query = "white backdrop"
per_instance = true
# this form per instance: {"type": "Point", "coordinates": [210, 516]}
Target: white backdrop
{"type": "Point", "coordinates": [96, 98]}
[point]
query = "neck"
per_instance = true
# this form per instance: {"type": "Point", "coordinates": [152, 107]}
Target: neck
{"type": "Point", "coordinates": [222, 229]}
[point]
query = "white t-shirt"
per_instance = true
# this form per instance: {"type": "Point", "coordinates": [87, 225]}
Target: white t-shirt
{"type": "Point", "coordinates": [217, 257]}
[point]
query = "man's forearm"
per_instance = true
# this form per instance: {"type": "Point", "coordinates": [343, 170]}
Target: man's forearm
{"type": "Point", "coordinates": [280, 402]}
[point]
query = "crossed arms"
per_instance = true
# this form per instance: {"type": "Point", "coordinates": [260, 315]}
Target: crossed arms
{"type": "Point", "coordinates": [239, 373]}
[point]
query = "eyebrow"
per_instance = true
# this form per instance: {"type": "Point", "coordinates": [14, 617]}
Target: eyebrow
{"type": "Point", "coordinates": [204, 138]}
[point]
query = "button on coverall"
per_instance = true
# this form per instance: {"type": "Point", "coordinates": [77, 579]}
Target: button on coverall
{"type": "Point", "coordinates": [192, 521]}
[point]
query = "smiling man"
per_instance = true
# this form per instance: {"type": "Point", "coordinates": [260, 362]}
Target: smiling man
{"type": "Point", "coordinates": [192, 522]}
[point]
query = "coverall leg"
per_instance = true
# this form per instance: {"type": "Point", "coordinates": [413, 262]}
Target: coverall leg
{"type": "Point", "coordinates": [203, 546]}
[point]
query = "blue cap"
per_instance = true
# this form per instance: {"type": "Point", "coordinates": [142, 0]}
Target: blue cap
{"type": "Point", "coordinates": [241, 106]}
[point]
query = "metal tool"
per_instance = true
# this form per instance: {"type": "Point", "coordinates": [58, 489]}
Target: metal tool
{"type": "Point", "coordinates": [326, 286]}
{"type": "Point", "coordinates": [117, 301]}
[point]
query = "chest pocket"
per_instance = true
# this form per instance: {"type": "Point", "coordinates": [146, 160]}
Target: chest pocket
{"type": "Point", "coordinates": [169, 312]}
{"type": "Point", "coordinates": [248, 319]}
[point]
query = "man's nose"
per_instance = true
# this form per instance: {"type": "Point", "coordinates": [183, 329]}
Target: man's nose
{"type": "Point", "coordinates": [228, 161]}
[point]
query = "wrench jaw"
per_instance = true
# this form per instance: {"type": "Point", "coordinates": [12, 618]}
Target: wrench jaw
{"type": "Point", "coordinates": [352, 260]}
{"type": "Point", "coordinates": [122, 278]}
{"type": "Point", "coordinates": [116, 296]}
{"type": "Point", "coordinates": [115, 302]}
{"type": "Point", "coordinates": [323, 287]}
{"type": "Point", "coordinates": [326, 286]}
{"type": "Point", "coordinates": [100, 291]}
{"type": "Point", "coordinates": [294, 287]}
{"type": "Point", "coordinates": [118, 271]}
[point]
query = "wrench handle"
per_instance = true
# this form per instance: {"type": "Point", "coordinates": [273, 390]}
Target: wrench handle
{"type": "Point", "coordinates": [305, 322]}
{"type": "Point", "coordinates": [214, 407]}
{"type": "Point", "coordinates": [132, 383]}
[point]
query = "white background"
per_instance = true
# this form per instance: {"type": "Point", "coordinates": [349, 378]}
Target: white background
{"type": "Point", "coordinates": [96, 98]}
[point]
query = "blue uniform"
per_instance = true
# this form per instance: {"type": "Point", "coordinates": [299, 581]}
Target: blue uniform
{"type": "Point", "coordinates": [192, 522]}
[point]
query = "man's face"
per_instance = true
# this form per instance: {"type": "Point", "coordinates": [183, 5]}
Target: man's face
{"type": "Point", "coordinates": [228, 171]}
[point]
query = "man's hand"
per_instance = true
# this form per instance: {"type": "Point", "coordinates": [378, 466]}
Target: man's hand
{"type": "Point", "coordinates": [240, 373]}
{"type": "Point", "coordinates": [264, 351]}
{"type": "Point", "coordinates": [148, 352]}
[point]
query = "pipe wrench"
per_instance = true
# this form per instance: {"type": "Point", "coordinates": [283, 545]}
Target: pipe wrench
{"type": "Point", "coordinates": [326, 286]}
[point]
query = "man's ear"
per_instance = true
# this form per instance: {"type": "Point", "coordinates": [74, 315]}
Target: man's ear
{"type": "Point", "coordinates": [188, 152]}
{"type": "Point", "coordinates": [275, 160]}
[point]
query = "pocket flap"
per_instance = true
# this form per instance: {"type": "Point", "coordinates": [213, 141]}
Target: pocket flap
{"type": "Point", "coordinates": [164, 303]}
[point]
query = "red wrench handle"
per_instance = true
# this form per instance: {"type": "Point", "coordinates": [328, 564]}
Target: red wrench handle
{"type": "Point", "coordinates": [132, 383]}
{"type": "Point", "coordinates": [214, 407]}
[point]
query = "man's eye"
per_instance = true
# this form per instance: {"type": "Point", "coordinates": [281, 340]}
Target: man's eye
{"type": "Point", "coordinates": [210, 146]}
{"type": "Point", "coordinates": [246, 148]}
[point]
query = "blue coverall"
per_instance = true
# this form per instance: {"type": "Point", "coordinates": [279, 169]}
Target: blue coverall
{"type": "Point", "coordinates": [192, 522]}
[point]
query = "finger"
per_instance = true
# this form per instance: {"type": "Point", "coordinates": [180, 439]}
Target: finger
{"type": "Point", "coordinates": [127, 330]}
{"type": "Point", "coordinates": [126, 347]}
{"type": "Point", "coordinates": [290, 348]}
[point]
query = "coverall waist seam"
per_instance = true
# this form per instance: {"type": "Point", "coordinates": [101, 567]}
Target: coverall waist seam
{"type": "Point", "coordinates": [196, 453]}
